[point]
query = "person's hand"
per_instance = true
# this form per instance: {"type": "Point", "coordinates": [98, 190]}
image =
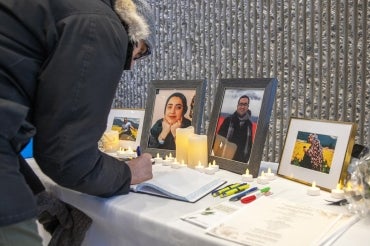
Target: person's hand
{"type": "Point", "coordinates": [141, 168]}
{"type": "Point", "coordinates": [174, 126]}
{"type": "Point", "coordinates": [166, 128]}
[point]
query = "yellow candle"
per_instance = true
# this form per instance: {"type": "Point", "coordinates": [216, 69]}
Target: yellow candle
{"type": "Point", "coordinates": [197, 150]}
{"type": "Point", "coordinates": [182, 140]}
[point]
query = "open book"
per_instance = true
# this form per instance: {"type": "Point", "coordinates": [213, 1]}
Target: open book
{"type": "Point", "coordinates": [183, 184]}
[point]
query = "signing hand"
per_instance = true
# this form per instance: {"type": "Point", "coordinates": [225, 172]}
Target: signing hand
{"type": "Point", "coordinates": [141, 168]}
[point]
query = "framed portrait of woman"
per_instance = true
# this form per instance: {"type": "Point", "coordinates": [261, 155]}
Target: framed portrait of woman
{"type": "Point", "coordinates": [171, 104]}
{"type": "Point", "coordinates": [239, 123]}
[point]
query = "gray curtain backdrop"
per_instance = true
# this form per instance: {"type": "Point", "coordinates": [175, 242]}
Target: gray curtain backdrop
{"type": "Point", "coordinates": [318, 50]}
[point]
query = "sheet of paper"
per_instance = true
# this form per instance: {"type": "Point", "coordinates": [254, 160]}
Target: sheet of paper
{"type": "Point", "coordinates": [268, 221]}
{"type": "Point", "coordinates": [211, 215]}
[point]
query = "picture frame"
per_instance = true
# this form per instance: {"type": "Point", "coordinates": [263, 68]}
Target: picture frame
{"type": "Point", "coordinates": [130, 137]}
{"type": "Point", "coordinates": [317, 151]}
{"type": "Point", "coordinates": [159, 91]}
{"type": "Point", "coordinates": [261, 93]}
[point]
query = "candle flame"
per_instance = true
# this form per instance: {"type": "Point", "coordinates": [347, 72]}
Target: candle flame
{"type": "Point", "coordinates": [214, 163]}
{"type": "Point", "coordinates": [314, 184]}
{"type": "Point", "coordinates": [269, 170]}
{"type": "Point", "coordinates": [263, 173]}
{"type": "Point", "coordinates": [157, 155]}
{"type": "Point", "coordinates": [247, 171]}
{"type": "Point", "coordinates": [338, 186]}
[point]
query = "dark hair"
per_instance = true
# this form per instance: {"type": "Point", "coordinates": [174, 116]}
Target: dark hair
{"type": "Point", "coordinates": [183, 100]}
{"type": "Point", "coordinates": [244, 96]}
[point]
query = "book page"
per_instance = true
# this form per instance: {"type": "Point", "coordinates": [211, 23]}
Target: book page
{"type": "Point", "coordinates": [183, 183]}
{"type": "Point", "coordinates": [268, 221]}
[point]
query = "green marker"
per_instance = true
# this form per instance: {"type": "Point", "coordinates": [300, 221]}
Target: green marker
{"type": "Point", "coordinates": [266, 189]}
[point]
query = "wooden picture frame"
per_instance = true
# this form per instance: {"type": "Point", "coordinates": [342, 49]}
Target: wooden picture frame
{"type": "Point", "coordinates": [131, 136]}
{"type": "Point", "coordinates": [159, 91]}
{"type": "Point", "coordinates": [301, 160]}
{"type": "Point", "coordinates": [261, 93]}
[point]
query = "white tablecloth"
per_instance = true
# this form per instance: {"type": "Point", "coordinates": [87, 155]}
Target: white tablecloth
{"type": "Point", "coordinates": [140, 219]}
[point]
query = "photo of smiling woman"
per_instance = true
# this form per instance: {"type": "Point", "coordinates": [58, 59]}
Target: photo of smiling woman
{"type": "Point", "coordinates": [163, 132]}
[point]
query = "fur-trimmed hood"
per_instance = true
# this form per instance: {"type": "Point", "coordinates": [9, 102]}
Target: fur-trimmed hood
{"type": "Point", "coordinates": [139, 19]}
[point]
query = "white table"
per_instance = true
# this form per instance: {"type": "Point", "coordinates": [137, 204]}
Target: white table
{"type": "Point", "coordinates": [140, 219]}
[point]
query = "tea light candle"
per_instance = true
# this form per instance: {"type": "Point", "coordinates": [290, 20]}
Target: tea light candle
{"type": "Point", "coordinates": [215, 166]}
{"type": "Point", "coordinates": [170, 157]}
{"type": "Point", "coordinates": [199, 167]}
{"type": "Point", "coordinates": [158, 159]}
{"type": "Point", "coordinates": [337, 193]}
{"type": "Point", "coordinates": [182, 142]}
{"type": "Point", "coordinates": [313, 190]}
{"type": "Point", "coordinates": [167, 161]}
{"type": "Point", "coordinates": [262, 179]}
{"type": "Point", "coordinates": [175, 164]}
{"type": "Point", "coordinates": [183, 164]}
{"type": "Point", "coordinates": [130, 153]}
{"type": "Point", "coordinates": [270, 175]}
{"type": "Point", "coordinates": [210, 170]}
{"type": "Point", "coordinates": [247, 177]}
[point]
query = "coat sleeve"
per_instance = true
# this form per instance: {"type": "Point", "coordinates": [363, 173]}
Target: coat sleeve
{"type": "Point", "coordinates": [74, 96]}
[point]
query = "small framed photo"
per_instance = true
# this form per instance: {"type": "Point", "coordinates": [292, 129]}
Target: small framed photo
{"type": "Point", "coordinates": [171, 104]}
{"type": "Point", "coordinates": [129, 124]}
{"type": "Point", "coordinates": [239, 123]}
{"type": "Point", "coordinates": [317, 151]}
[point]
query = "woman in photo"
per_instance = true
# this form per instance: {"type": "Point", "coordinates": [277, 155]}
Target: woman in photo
{"type": "Point", "coordinates": [163, 132]}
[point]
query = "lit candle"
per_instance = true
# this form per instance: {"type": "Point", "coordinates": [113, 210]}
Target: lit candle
{"type": "Point", "coordinates": [110, 141]}
{"type": "Point", "coordinates": [158, 159]}
{"type": "Point", "coordinates": [262, 179]}
{"type": "Point", "coordinates": [197, 150]}
{"type": "Point", "coordinates": [215, 166]}
{"type": "Point", "coordinates": [183, 164]}
{"type": "Point", "coordinates": [247, 177]}
{"type": "Point", "coordinates": [175, 164]}
{"type": "Point", "coordinates": [170, 157]}
{"type": "Point", "coordinates": [270, 175]}
{"type": "Point", "coordinates": [130, 153]}
{"type": "Point", "coordinates": [121, 153]}
{"type": "Point", "coordinates": [210, 169]}
{"type": "Point", "coordinates": [167, 161]}
{"type": "Point", "coordinates": [337, 193]}
{"type": "Point", "coordinates": [182, 141]}
{"type": "Point", "coordinates": [199, 167]}
{"type": "Point", "coordinates": [313, 190]}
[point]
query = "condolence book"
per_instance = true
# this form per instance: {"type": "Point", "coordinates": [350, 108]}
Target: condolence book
{"type": "Point", "coordinates": [183, 184]}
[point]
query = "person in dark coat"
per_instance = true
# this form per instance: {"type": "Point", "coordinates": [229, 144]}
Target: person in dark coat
{"type": "Point", "coordinates": [60, 64]}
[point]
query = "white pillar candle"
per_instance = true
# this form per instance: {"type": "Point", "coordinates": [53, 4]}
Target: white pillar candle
{"type": "Point", "coordinates": [182, 141]}
{"type": "Point", "coordinates": [197, 150]}
{"type": "Point", "coordinates": [313, 190]}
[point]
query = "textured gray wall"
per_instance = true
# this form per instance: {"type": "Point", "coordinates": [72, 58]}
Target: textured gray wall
{"type": "Point", "coordinates": [318, 50]}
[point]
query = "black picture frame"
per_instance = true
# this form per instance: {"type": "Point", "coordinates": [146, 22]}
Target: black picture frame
{"type": "Point", "coordinates": [167, 87]}
{"type": "Point", "coordinates": [236, 88]}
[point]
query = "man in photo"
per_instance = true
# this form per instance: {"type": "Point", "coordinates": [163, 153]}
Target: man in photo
{"type": "Point", "coordinates": [237, 128]}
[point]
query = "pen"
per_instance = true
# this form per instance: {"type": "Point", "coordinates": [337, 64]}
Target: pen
{"type": "Point", "coordinates": [248, 199]}
{"type": "Point", "coordinates": [226, 188]}
{"type": "Point", "coordinates": [240, 195]}
{"type": "Point", "coordinates": [138, 151]}
{"type": "Point", "coordinates": [235, 190]}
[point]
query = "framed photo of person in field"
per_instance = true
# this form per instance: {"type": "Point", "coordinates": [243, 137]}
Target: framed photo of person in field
{"type": "Point", "coordinates": [317, 151]}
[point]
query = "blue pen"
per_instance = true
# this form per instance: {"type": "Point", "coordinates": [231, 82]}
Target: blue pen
{"type": "Point", "coordinates": [138, 151]}
{"type": "Point", "coordinates": [240, 195]}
